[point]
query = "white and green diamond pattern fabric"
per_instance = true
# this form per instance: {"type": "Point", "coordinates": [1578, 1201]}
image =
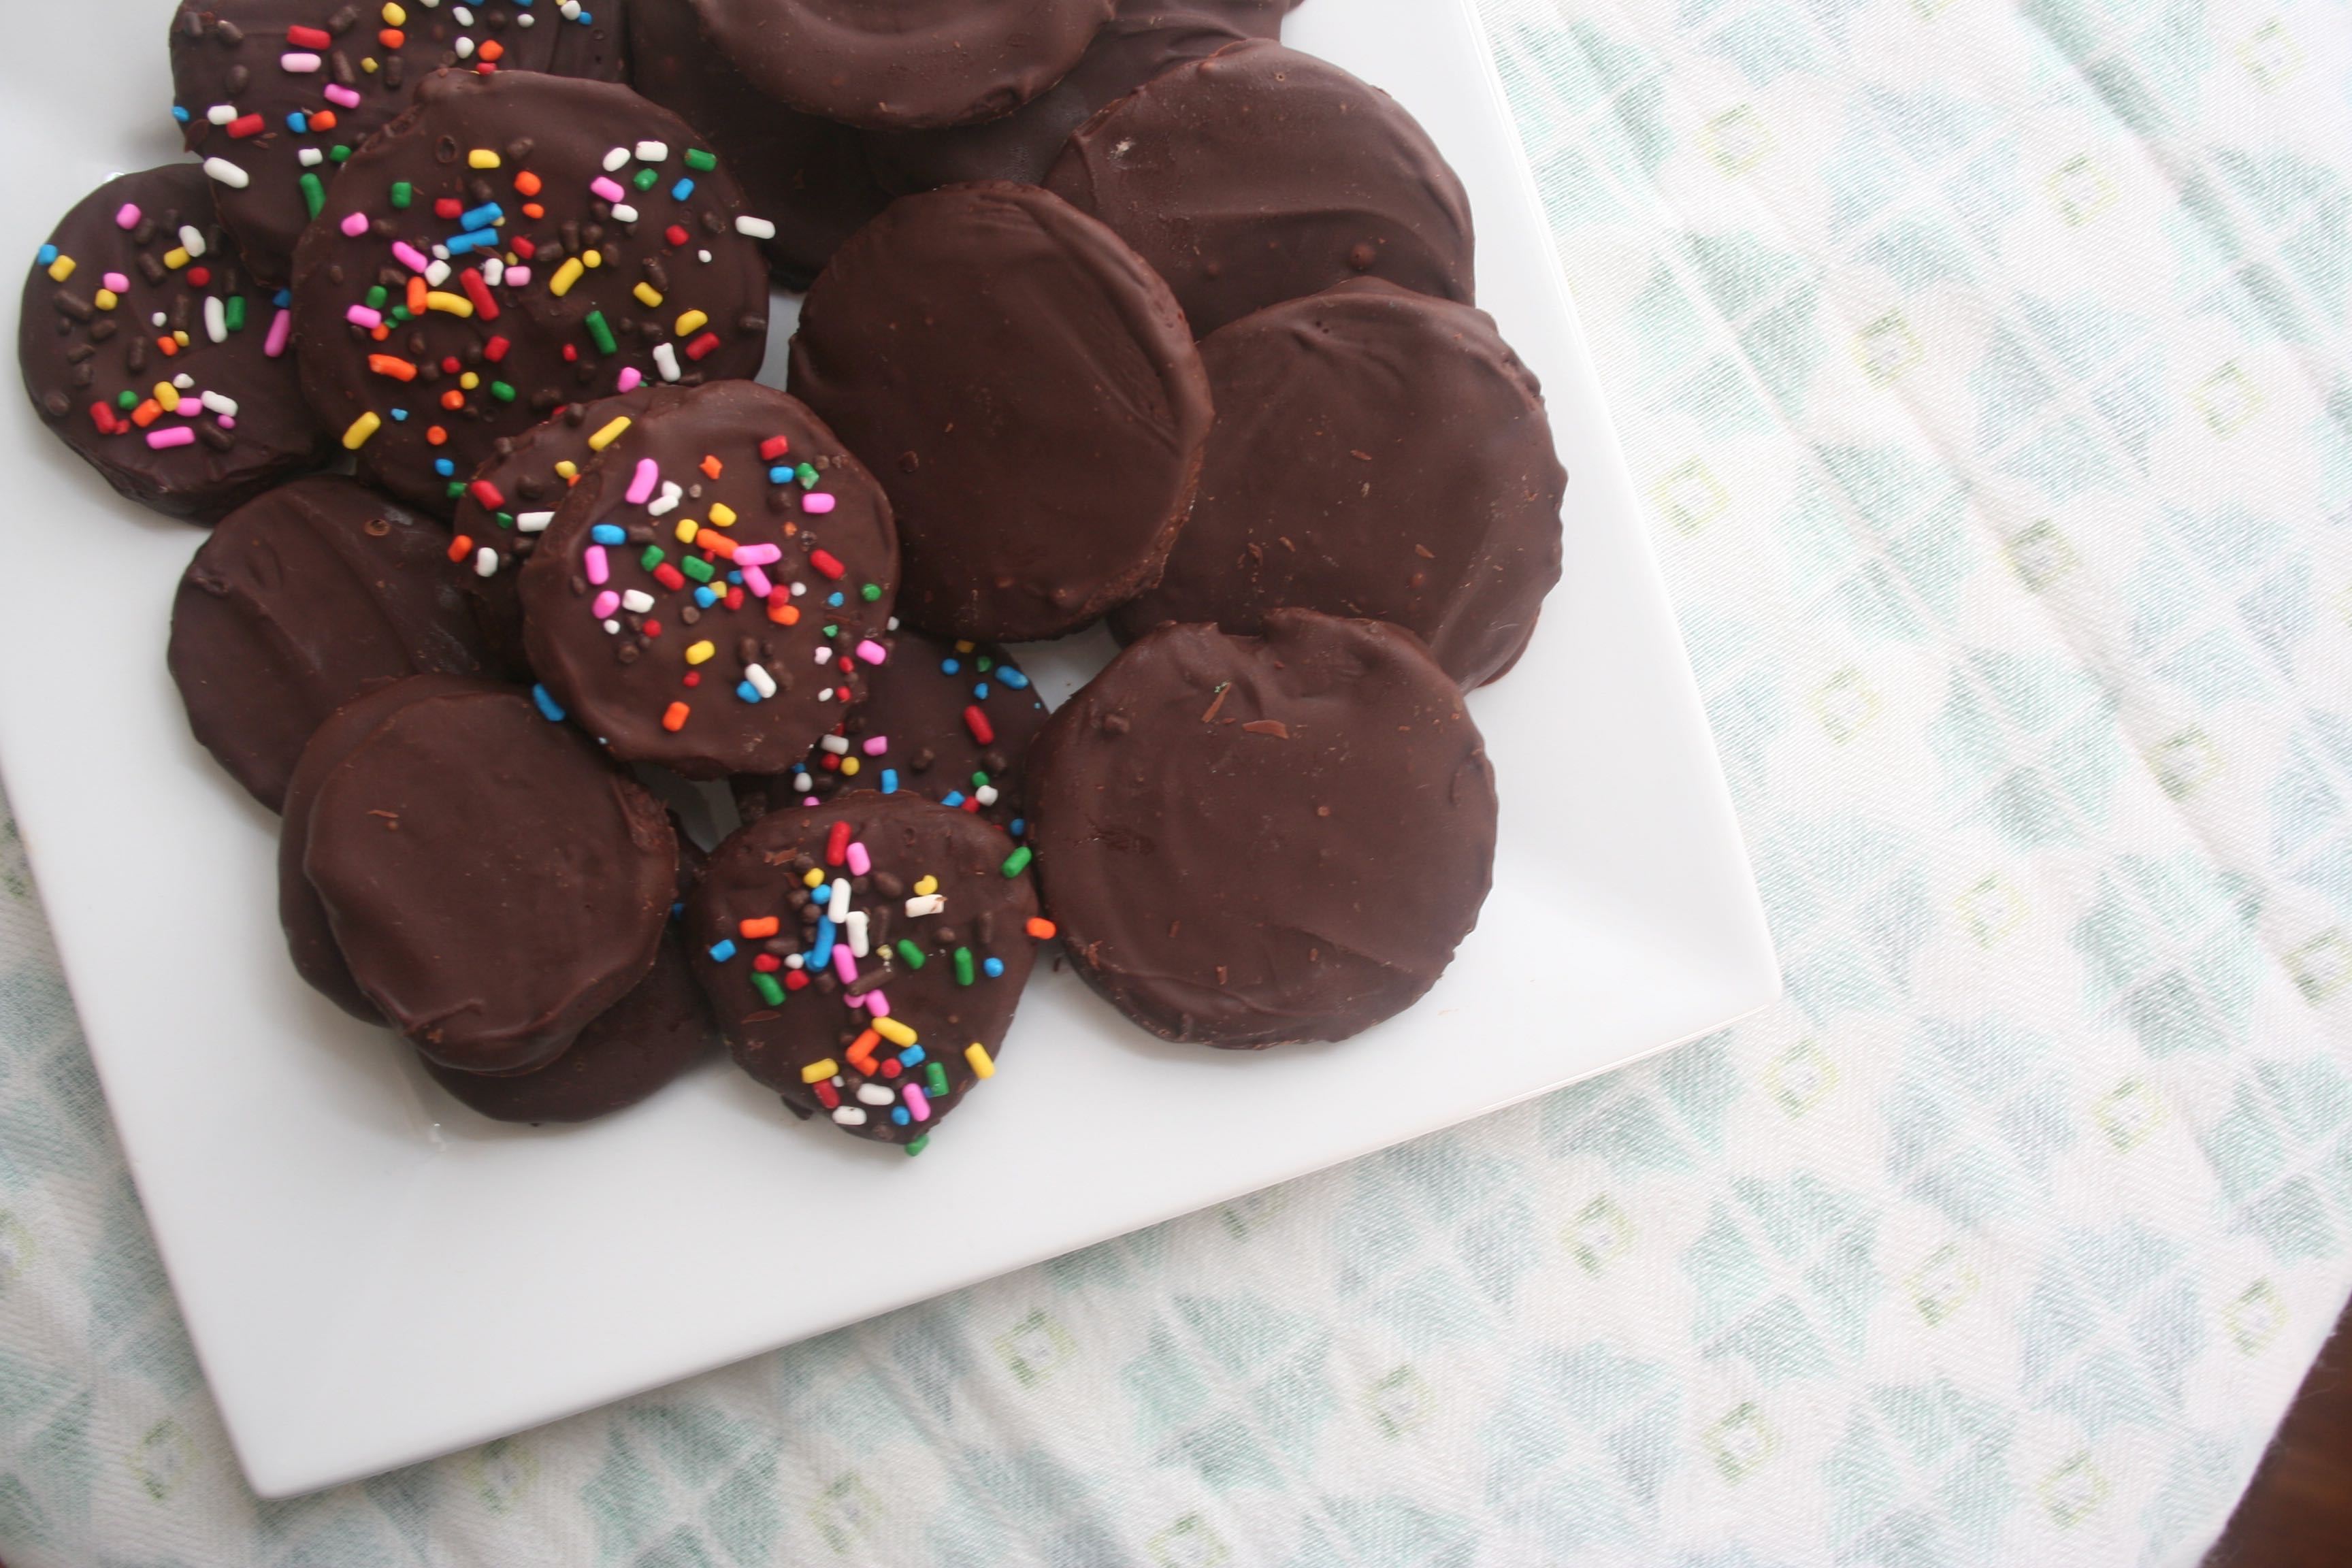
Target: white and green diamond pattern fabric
{"type": "Point", "coordinates": [1986, 368]}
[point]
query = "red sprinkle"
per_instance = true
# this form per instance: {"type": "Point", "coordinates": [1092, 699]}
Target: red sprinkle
{"type": "Point", "coordinates": [837, 844]}
{"type": "Point", "coordinates": [890, 1067]}
{"type": "Point", "coordinates": [199, 276]}
{"type": "Point", "coordinates": [826, 1095]}
{"type": "Point", "coordinates": [570, 353]}
{"type": "Point", "coordinates": [693, 677]}
{"type": "Point", "coordinates": [824, 561]}
{"type": "Point", "coordinates": [495, 349]}
{"type": "Point", "coordinates": [774, 447]}
{"type": "Point", "coordinates": [479, 293]}
{"type": "Point", "coordinates": [766, 962]}
{"type": "Point", "coordinates": [977, 723]}
{"type": "Point", "coordinates": [448, 209]}
{"type": "Point", "coordinates": [309, 37]}
{"type": "Point", "coordinates": [245, 125]}
{"type": "Point", "coordinates": [525, 247]}
{"type": "Point", "coordinates": [970, 803]}
{"type": "Point", "coordinates": [734, 596]}
{"type": "Point", "coordinates": [675, 235]}
{"type": "Point", "coordinates": [103, 418]}
{"type": "Point", "coordinates": [794, 979]}
{"type": "Point", "coordinates": [652, 628]}
{"type": "Point", "coordinates": [702, 345]}
{"type": "Point", "coordinates": [670, 577]}
{"type": "Point", "coordinates": [487, 493]}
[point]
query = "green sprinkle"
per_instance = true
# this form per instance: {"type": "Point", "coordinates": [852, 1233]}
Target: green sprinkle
{"type": "Point", "coordinates": [920, 1144]}
{"type": "Point", "coordinates": [645, 177]}
{"type": "Point", "coordinates": [456, 489]}
{"type": "Point", "coordinates": [911, 953]}
{"type": "Point", "coordinates": [986, 663]}
{"type": "Point", "coordinates": [696, 567]}
{"type": "Point", "coordinates": [871, 592]}
{"type": "Point", "coordinates": [402, 192]}
{"type": "Point", "coordinates": [338, 153]}
{"type": "Point", "coordinates": [502, 392]}
{"type": "Point", "coordinates": [806, 475]}
{"type": "Point", "coordinates": [376, 297]}
{"type": "Point", "coordinates": [936, 1076]}
{"type": "Point", "coordinates": [506, 519]}
{"type": "Point", "coordinates": [600, 333]}
{"type": "Point", "coordinates": [398, 313]}
{"type": "Point", "coordinates": [979, 781]}
{"type": "Point", "coordinates": [1017, 862]}
{"type": "Point", "coordinates": [236, 312]}
{"type": "Point", "coordinates": [651, 558]}
{"type": "Point", "coordinates": [314, 195]}
{"type": "Point", "coordinates": [696, 158]}
{"type": "Point", "coordinates": [963, 966]}
{"type": "Point", "coordinates": [833, 631]}
{"type": "Point", "coordinates": [770, 992]}
{"type": "Point", "coordinates": [126, 400]}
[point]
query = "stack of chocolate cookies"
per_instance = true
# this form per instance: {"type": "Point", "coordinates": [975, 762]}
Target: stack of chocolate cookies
{"type": "Point", "coordinates": [1116, 311]}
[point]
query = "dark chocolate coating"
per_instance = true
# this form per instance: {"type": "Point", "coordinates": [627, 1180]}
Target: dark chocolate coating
{"type": "Point", "coordinates": [493, 881]}
{"type": "Point", "coordinates": [916, 707]}
{"type": "Point", "coordinates": [1021, 146]}
{"type": "Point", "coordinates": [805, 174]}
{"type": "Point", "coordinates": [82, 357]}
{"type": "Point", "coordinates": [553, 134]}
{"type": "Point", "coordinates": [618, 684]}
{"type": "Point", "coordinates": [309, 938]}
{"type": "Point", "coordinates": [1029, 394]}
{"type": "Point", "coordinates": [1250, 841]}
{"type": "Point", "coordinates": [757, 874]}
{"type": "Point", "coordinates": [876, 63]}
{"type": "Point", "coordinates": [633, 1048]}
{"type": "Point", "coordinates": [1260, 174]}
{"type": "Point", "coordinates": [299, 599]}
{"type": "Point", "coordinates": [1377, 453]}
{"type": "Point", "coordinates": [229, 53]}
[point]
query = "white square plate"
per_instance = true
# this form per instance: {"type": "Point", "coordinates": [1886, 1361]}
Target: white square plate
{"type": "Point", "coordinates": [373, 1275]}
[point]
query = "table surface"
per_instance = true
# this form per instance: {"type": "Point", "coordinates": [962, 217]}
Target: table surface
{"type": "Point", "coordinates": [1985, 367]}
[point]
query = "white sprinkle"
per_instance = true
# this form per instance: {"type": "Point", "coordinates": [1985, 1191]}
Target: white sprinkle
{"type": "Point", "coordinates": [837, 744]}
{"type": "Point", "coordinates": [158, 318]}
{"type": "Point", "coordinates": [309, 157]}
{"type": "Point", "coordinates": [227, 174]}
{"type": "Point", "coordinates": [796, 961]}
{"type": "Point", "coordinates": [485, 562]}
{"type": "Point", "coordinates": [492, 271]}
{"type": "Point", "coordinates": [666, 360]}
{"type": "Point", "coordinates": [464, 18]}
{"type": "Point", "coordinates": [927, 904]}
{"type": "Point", "coordinates": [985, 795]}
{"type": "Point", "coordinates": [221, 113]}
{"type": "Point", "coordinates": [762, 681]}
{"type": "Point", "coordinates": [875, 1094]}
{"type": "Point", "coordinates": [525, 20]}
{"type": "Point", "coordinates": [441, 251]}
{"type": "Point", "coordinates": [802, 783]}
{"type": "Point", "coordinates": [533, 522]}
{"type": "Point", "coordinates": [857, 943]}
{"type": "Point", "coordinates": [824, 656]}
{"type": "Point", "coordinates": [298, 62]}
{"type": "Point", "coordinates": [757, 228]}
{"type": "Point", "coordinates": [893, 623]}
{"type": "Point", "coordinates": [465, 46]}
{"type": "Point", "coordinates": [192, 239]}
{"type": "Point", "coordinates": [435, 274]}
{"type": "Point", "coordinates": [652, 151]}
{"type": "Point", "coordinates": [837, 904]}
{"type": "Point", "coordinates": [825, 696]}
{"type": "Point", "coordinates": [220, 403]}
{"type": "Point", "coordinates": [613, 628]}
{"type": "Point", "coordinates": [184, 381]}
{"type": "Point", "coordinates": [702, 256]}
{"type": "Point", "coordinates": [636, 600]}
{"type": "Point", "coordinates": [624, 212]}
{"type": "Point", "coordinates": [798, 589]}
{"type": "Point", "coordinates": [846, 1115]}
{"type": "Point", "coordinates": [215, 319]}
{"type": "Point", "coordinates": [616, 160]}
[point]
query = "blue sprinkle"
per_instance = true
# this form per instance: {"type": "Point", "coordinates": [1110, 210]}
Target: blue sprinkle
{"type": "Point", "coordinates": [889, 781]}
{"type": "Point", "coordinates": [722, 950]}
{"type": "Point", "coordinates": [44, 256]}
{"type": "Point", "coordinates": [607, 533]}
{"type": "Point", "coordinates": [980, 689]}
{"type": "Point", "coordinates": [703, 597]}
{"type": "Point", "coordinates": [912, 1057]}
{"type": "Point", "coordinates": [835, 600]}
{"type": "Point", "coordinates": [781, 474]}
{"type": "Point", "coordinates": [547, 704]}
{"type": "Point", "coordinates": [736, 578]}
{"type": "Point", "coordinates": [955, 797]}
{"type": "Point", "coordinates": [948, 667]}
{"type": "Point", "coordinates": [821, 954]}
{"type": "Point", "coordinates": [747, 691]}
{"type": "Point", "coordinates": [482, 217]}
{"type": "Point", "coordinates": [1020, 826]}
{"type": "Point", "coordinates": [180, 115]}
{"type": "Point", "coordinates": [444, 467]}
{"type": "Point", "coordinates": [399, 414]}
{"type": "Point", "coordinates": [298, 123]}
{"type": "Point", "coordinates": [477, 239]}
{"type": "Point", "coordinates": [585, 18]}
{"type": "Point", "coordinates": [676, 910]}
{"type": "Point", "coordinates": [1012, 678]}
{"type": "Point", "coordinates": [283, 298]}
{"type": "Point", "coordinates": [680, 191]}
{"type": "Point", "coordinates": [898, 1114]}
{"type": "Point", "coordinates": [992, 967]}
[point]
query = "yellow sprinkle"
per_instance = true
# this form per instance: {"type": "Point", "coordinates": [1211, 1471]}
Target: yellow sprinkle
{"type": "Point", "coordinates": [469, 381]}
{"type": "Point", "coordinates": [692, 322]}
{"type": "Point", "coordinates": [927, 887]}
{"type": "Point", "coordinates": [176, 257]}
{"type": "Point", "coordinates": [977, 1055]}
{"type": "Point", "coordinates": [481, 158]}
{"type": "Point", "coordinates": [593, 258]}
{"type": "Point", "coordinates": [723, 514]}
{"type": "Point", "coordinates": [813, 880]}
{"type": "Point", "coordinates": [649, 294]}
{"type": "Point", "coordinates": [181, 338]}
{"type": "Point", "coordinates": [393, 16]}
{"type": "Point", "coordinates": [455, 304]}
{"type": "Point", "coordinates": [361, 429]}
{"type": "Point", "coordinates": [849, 767]}
{"type": "Point", "coordinates": [606, 437]}
{"type": "Point", "coordinates": [963, 648]}
{"type": "Point", "coordinates": [105, 299]}
{"type": "Point", "coordinates": [686, 529]}
{"type": "Point", "coordinates": [817, 1072]}
{"type": "Point", "coordinates": [565, 277]}
{"type": "Point", "coordinates": [890, 1029]}
{"type": "Point", "coordinates": [567, 470]}
{"type": "Point", "coordinates": [167, 396]}
{"type": "Point", "coordinates": [62, 268]}
{"type": "Point", "coordinates": [699, 653]}
{"type": "Point", "coordinates": [368, 64]}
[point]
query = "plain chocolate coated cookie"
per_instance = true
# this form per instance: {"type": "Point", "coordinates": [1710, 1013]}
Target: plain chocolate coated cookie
{"type": "Point", "coordinates": [714, 590]}
{"type": "Point", "coordinates": [281, 91]}
{"type": "Point", "coordinates": [492, 879]}
{"type": "Point", "coordinates": [1250, 841]}
{"type": "Point", "coordinates": [806, 175]}
{"type": "Point", "coordinates": [1260, 174]}
{"type": "Point", "coordinates": [1028, 393]}
{"type": "Point", "coordinates": [299, 599]}
{"type": "Point", "coordinates": [148, 349]}
{"type": "Point", "coordinates": [950, 721]}
{"type": "Point", "coordinates": [878, 63]}
{"type": "Point", "coordinates": [511, 244]}
{"type": "Point", "coordinates": [1377, 453]}
{"type": "Point", "coordinates": [864, 956]}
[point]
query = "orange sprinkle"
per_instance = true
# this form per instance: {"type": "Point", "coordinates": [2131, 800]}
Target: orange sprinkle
{"type": "Point", "coordinates": [533, 210]}
{"type": "Point", "coordinates": [526, 182]}
{"type": "Point", "coordinates": [674, 716]}
{"type": "Point", "coordinates": [784, 614]}
{"type": "Point", "coordinates": [711, 465]}
{"type": "Point", "coordinates": [754, 930]}
{"type": "Point", "coordinates": [492, 50]}
{"type": "Point", "coordinates": [387, 364]}
{"type": "Point", "coordinates": [380, 334]}
{"type": "Point", "coordinates": [436, 435]}
{"type": "Point", "coordinates": [417, 296]}
{"type": "Point", "coordinates": [861, 1051]}
{"type": "Point", "coordinates": [169, 345]}
{"type": "Point", "coordinates": [146, 414]}
{"type": "Point", "coordinates": [324, 119]}
{"type": "Point", "coordinates": [392, 38]}
{"type": "Point", "coordinates": [716, 542]}
{"type": "Point", "coordinates": [460, 547]}
{"type": "Point", "coordinates": [1040, 926]}
{"type": "Point", "coordinates": [453, 399]}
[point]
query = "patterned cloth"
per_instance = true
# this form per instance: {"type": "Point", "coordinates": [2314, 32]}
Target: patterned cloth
{"type": "Point", "coordinates": [1985, 367]}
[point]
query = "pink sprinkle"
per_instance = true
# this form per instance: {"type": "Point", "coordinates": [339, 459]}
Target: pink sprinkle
{"type": "Point", "coordinates": [191, 406]}
{"type": "Point", "coordinates": [917, 1103]}
{"type": "Point", "coordinates": [756, 581]}
{"type": "Point", "coordinates": [281, 330]}
{"type": "Point", "coordinates": [360, 316]}
{"type": "Point", "coordinates": [872, 652]}
{"type": "Point", "coordinates": [811, 800]}
{"type": "Point", "coordinates": [116, 281]}
{"type": "Point", "coordinates": [227, 422]}
{"type": "Point", "coordinates": [599, 570]}
{"type": "Point", "coordinates": [817, 503]}
{"type": "Point", "coordinates": [646, 480]}
{"type": "Point", "coordinates": [341, 96]}
{"type": "Point", "coordinates": [844, 964]}
{"type": "Point", "coordinates": [354, 225]}
{"type": "Point", "coordinates": [603, 186]}
{"type": "Point", "coordinates": [171, 436]}
{"type": "Point", "coordinates": [876, 745]}
{"type": "Point", "coordinates": [860, 862]}
{"type": "Point", "coordinates": [629, 377]}
{"type": "Point", "coordinates": [408, 255]}
{"type": "Point", "coordinates": [606, 602]}
{"type": "Point", "coordinates": [757, 554]}
{"type": "Point", "coordinates": [876, 1002]}
{"type": "Point", "coordinates": [127, 215]}
{"type": "Point", "coordinates": [517, 276]}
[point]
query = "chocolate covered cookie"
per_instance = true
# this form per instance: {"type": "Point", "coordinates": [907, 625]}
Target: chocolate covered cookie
{"type": "Point", "coordinates": [1377, 453]}
{"type": "Point", "coordinates": [903, 62]}
{"type": "Point", "coordinates": [511, 244]}
{"type": "Point", "coordinates": [298, 600]}
{"type": "Point", "coordinates": [950, 721]}
{"type": "Point", "coordinates": [1029, 395]}
{"type": "Point", "coordinates": [712, 592]}
{"type": "Point", "coordinates": [276, 94]}
{"type": "Point", "coordinates": [864, 956]}
{"type": "Point", "coordinates": [1260, 174]}
{"type": "Point", "coordinates": [149, 350]}
{"type": "Point", "coordinates": [1250, 841]}
{"type": "Point", "coordinates": [492, 879]}
{"type": "Point", "coordinates": [806, 175]}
